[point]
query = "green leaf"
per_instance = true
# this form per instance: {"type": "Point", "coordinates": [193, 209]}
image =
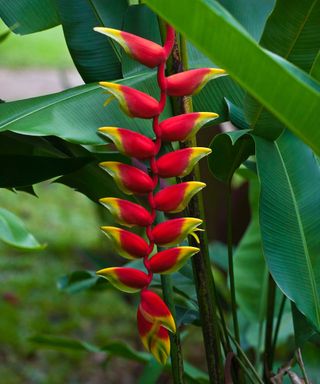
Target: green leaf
{"type": "Point", "coordinates": [19, 171]}
{"type": "Point", "coordinates": [295, 36]}
{"type": "Point", "coordinates": [229, 151]}
{"type": "Point", "coordinates": [4, 35]}
{"type": "Point", "coordinates": [303, 329]}
{"type": "Point", "coordinates": [14, 233]}
{"type": "Point", "coordinates": [250, 269]}
{"type": "Point", "coordinates": [93, 54]}
{"type": "Point", "coordinates": [29, 16]}
{"type": "Point", "coordinates": [217, 34]}
{"type": "Point", "coordinates": [151, 372]}
{"type": "Point", "coordinates": [76, 114]}
{"type": "Point", "coordinates": [290, 219]}
{"type": "Point", "coordinates": [251, 14]}
{"type": "Point", "coordinates": [79, 281]}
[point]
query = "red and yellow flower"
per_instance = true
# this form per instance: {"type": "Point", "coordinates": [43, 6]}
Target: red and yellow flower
{"type": "Point", "coordinates": [154, 318]}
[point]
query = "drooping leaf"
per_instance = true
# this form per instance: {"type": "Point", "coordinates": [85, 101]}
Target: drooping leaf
{"type": "Point", "coordinates": [93, 54]}
{"type": "Point", "coordinates": [25, 16]}
{"type": "Point", "coordinates": [81, 280]}
{"type": "Point", "coordinates": [75, 114]}
{"type": "Point", "coordinates": [14, 233]}
{"type": "Point", "coordinates": [290, 219]}
{"type": "Point", "coordinates": [217, 34]}
{"type": "Point", "coordinates": [303, 329]}
{"type": "Point", "coordinates": [229, 151]}
{"type": "Point", "coordinates": [295, 36]}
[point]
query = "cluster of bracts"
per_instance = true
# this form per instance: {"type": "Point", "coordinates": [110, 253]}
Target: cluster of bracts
{"type": "Point", "coordinates": [153, 316]}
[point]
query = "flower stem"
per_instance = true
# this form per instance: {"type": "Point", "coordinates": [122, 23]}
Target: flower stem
{"type": "Point", "coordinates": [204, 281]}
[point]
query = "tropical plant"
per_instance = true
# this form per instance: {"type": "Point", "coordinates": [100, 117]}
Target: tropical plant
{"type": "Point", "coordinates": [270, 51]}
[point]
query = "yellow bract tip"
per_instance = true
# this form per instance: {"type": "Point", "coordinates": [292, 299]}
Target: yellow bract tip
{"type": "Point", "coordinates": [108, 85]}
{"type": "Point", "coordinates": [217, 71]}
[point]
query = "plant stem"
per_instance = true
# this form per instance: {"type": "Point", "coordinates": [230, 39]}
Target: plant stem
{"type": "Point", "coordinates": [276, 330]}
{"type": "Point", "coordinates": [230, 265]}
{"type": "Point", "coordinates": [175, 352]}
{"type": "Point", "coordinates": [204, 282]}
{"type": "Point", "coordinates": [268, 355]}
{"type": "Point", "coordinates": [301, 365]}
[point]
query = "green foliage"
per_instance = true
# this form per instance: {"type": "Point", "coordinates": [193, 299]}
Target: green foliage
{"type": "Point", "coordinates": [223, 40]}
{"type": "Point", "coordinates": [24, 16]}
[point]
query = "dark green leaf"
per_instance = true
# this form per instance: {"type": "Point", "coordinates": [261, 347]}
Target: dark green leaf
{"type": "Point", "coordinates": [4, 35]}
{"type": "Point", "coordinates": [229, 151]}
{"type": "Point", "coordinates": [14, 233]}
{"type": "Point", "coordinates": [303, 329]}
{"type": "Point", "coordinates": [81, 280]}
{"type": "Point", "coordinates": [295, 36]}
{"type": "Point", "coordinates": [26, 16]}
{"type": "Point", "coordinates": [151, 372]}
{"type": "Point", "coordinates": [19, 171]}
{"type": "Point", "coordinates": [92, 53]}
{"type": "Point", "coordinates": [217, 34]}
{"type": "Point", "coordinates": [290, 219]}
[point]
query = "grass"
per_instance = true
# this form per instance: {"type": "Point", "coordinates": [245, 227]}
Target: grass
{"type": "Point", "coordinates": [46, 49]}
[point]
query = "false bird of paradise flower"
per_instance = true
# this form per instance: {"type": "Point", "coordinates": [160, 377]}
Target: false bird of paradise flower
{"type": "Point", "coordinates": [153, 316]}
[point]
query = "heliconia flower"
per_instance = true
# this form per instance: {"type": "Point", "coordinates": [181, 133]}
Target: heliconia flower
{"type": "Point", "coordinates": [145, 51]}
{"type": "Point", "coordinates": [182, 127]}
{"type": "Point", "coordinates": [174, 231]}
{"type": "Point", "coordinates": [130, 143]}
{"type": "Point", "coordinates": [128, 280]}
{"type": "Point", "coordinates": [171, 260]}
{"type": "Point", "coordinates": [129, 245]}
{"type": "Point", "coordinates": [133, 102]}
{"type": "Point", "coordinates": [191, 82]}
{"type": "Point", "coordinates": [126, 212]}
{"type": "Point", "coordinates": [181, 162]}
{"type": "Point", "coordinates": [128, 178]}
{"type": "Point", "coordinates": [154, 337]}
{"type": "Point", "coordinates": [154, 309]}
{"type": "Point", "coordinates": [176, 197]}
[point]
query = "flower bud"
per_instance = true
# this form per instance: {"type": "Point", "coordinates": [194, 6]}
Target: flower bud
{"type": "Point", "coordinates": [134, 103]}
{"type": "Point", "coordinates": [176, 197]}
{"type": "Point", "coordinates": [191, 82]}
{"type": "Point", "coordinates": [154, 337]}
{"type": "Point", "coordinates": [129, 245]}
{"type": "Point", "coordinates": [181, 162]}
{"type": "Point", "coordinates": [153, 309]}
{"type": "Point", "coordinates": [145, 51]}
{"type": "Point", "coordinates": [131, 144]}
{"type": "Point", "coordinates": [183, 127]}
{"type": "Point", "coordinates": [171, 260]}
{"type": "Point", "coordinates": [174, 231]}
{"type": "Point", "coordinates": [128, 280]}
{"type": "Point", "coordinates": [128, 178]}
{"type": "Point", "coordinates": [126, 212]}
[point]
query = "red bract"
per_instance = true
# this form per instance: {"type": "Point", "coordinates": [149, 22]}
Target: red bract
{"type": "Point", "coordinates": [134, 103]}
{"type": "Point", "coordinates": [130, 143]}
{"type": "Point", "coordinates": [180, 163]}
{"type": "Point", "coordinates": [128, 245]}
{"type": "Point", "coordinates": [153, 317]}
{"type": "Point", "coordinates": [125, 279]}
{"type": "Point", "coordinates": [191, 82]}
{"type": "Point", "coordinates": [183, 127]}
{"type": "Point", "coordinates": [128, 178]}
{"type": "Point", "coordinates": [176, 197]}
{"type": "Point", "coordinates": [126, 212]}
{"type": "Point", "coordinates": [145, 51]}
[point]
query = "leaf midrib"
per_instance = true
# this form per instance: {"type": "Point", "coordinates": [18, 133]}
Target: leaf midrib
{"type": "Point", "coordinates": [304, 242]}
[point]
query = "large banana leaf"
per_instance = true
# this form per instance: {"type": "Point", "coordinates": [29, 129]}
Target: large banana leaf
{"type": "Point", "coordinates": [29, 16]}
{"type": "Point", "coordinates": [92, 53]}
{"type": "Point", "coordinates": [295, 36]}
{"type": "Point", "coordinates": [294, 101]}
{"type": "Point", "coordinates": [290, 219]}
{"type": "Point", "coordinates": [76, 114]}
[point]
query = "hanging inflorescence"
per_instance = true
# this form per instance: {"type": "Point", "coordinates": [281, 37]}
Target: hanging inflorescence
{"type": "Point", "coordinates": [153, 317]}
